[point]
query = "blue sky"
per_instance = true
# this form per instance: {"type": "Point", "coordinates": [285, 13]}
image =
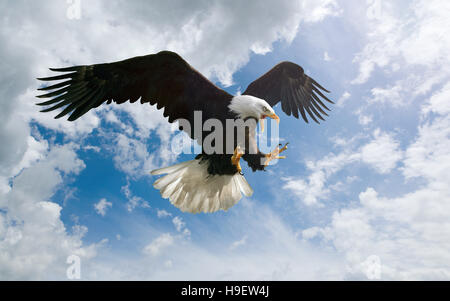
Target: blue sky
{"type": "Point", "coordinates": [369, 182]}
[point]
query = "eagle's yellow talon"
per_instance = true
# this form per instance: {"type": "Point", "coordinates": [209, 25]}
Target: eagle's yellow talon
{"type": "Point", "coordinates": [235, 159]}
{"type": "Point", "coordinates": [284, 148]}
{"type": "Point", "coordinates": [275, 154]}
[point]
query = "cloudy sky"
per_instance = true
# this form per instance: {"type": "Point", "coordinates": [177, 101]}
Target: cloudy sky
{"type": "Point", "coordinates": [364, 195]}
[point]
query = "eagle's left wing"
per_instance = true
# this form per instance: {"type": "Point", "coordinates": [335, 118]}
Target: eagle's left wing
{"type": "Point", "coordinates": [287, 82]}
{"type": "Point", "coordinates": [164, 79]}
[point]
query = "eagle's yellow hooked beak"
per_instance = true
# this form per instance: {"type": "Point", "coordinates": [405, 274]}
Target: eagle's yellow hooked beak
{"type": "Point", "coordinates": [273, 116]}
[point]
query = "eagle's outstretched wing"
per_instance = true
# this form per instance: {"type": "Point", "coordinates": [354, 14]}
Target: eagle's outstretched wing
{"type": "Point", "coordinates": [164, 79]}
{"type": "Point", "coordinates": [287, 82]}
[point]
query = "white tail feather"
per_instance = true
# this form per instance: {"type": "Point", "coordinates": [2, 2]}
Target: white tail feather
{"type": "Point", "coordinates": [190, 188]}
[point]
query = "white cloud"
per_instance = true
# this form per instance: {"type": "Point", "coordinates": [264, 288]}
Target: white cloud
{"type": "Point", "coordinates": [383, 45]}
{"type": "Point", "coordinates": [342, 100]}
{"type": "Point", "coordinates": [93, 148]}
{"type": "Point", "coordinates": [102, 206]}
{"type": "Point", "coordinates": [393, 95]}
{"type": "Point", "coordinates": [133, 201]}
{"type": "Point", "coordinates": [315, 11]}
{"type": "Point", "coordinates": [364, 119]}
{"type": "Point", "coordinates": [180, 225]}
{"type": "Point", "coordinates": [409, 234]}
{"type": "Point", "coordinates": [238, 243]}
{"type": "Point", "coordinates": [314, 188]}
{"type": "Point", "coordinates": [36, 150]}
{"type": "Point", "coordinates": [33, 239]}
{"type": "Point", "coordinates": [438, 102]}
{"type": "Point", "coordinates": [210, 33]}
{"type": "Point", "coordinates": [132, 157]}
{"type": "Point", "coordinates": [310, 191]}
{"type": "Point", "coordinates": [409, 231]}
{"type": "Point", "coordinates": [276, 255]}
{"type": "Point", "coordinates": [421, 42]}
{"type": "Point", "coordinates": [382, 153]}
{"type": "Point", "coordinates": [163, 213]}
{"type": "Point", "coordinates": [129, 146]}
{"type": "Point", "coordinates": [160, 243]}
{"type": "Point", "coordinates": [428, 156]}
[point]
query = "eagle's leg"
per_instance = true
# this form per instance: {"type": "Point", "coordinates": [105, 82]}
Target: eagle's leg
{"type": "Point", "coordinates": [235, 159]}
{"type": "Point", "coordinates": [275, 154]}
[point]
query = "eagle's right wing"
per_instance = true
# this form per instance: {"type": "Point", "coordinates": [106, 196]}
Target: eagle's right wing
{"type": "Point", "coordinates": [287, 83]}
{"type": "Point", "coordinates": [164, 79]}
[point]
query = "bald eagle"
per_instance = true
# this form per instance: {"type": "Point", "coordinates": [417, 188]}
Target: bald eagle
{"type": "Point", "coordinates": [213, 180]}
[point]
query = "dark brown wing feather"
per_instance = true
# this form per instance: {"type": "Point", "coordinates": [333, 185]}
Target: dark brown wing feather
{"type": "Point", "coordinates": [298, 93]}
{"type": "Point", "coordinates": [164, 79]}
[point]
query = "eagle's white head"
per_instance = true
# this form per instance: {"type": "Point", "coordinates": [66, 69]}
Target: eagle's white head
{"type": "Point", "coordinates": [250, 106]}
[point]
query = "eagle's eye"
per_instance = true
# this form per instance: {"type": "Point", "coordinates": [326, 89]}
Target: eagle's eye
{"type": "Point", "coordinates": [265, 109]}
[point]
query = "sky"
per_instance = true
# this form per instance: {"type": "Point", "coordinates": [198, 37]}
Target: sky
{"type": "Point", "coordinates": [362, 196]}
